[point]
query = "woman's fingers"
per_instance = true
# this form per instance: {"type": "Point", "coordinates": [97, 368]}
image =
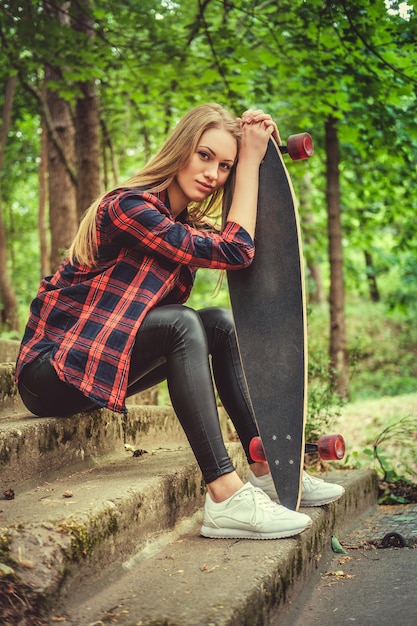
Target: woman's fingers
{"type": "Point", "coordinates": [255, 116]}
{"type": "Point", "coordinates": [274, 131]}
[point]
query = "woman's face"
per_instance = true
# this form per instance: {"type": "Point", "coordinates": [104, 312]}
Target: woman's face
{"type": "Point", "coordinates": [206, 171]}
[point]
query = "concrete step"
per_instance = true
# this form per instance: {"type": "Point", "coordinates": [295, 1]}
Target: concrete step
{"type": "Point", "coordinates": [9, 349]}
{"type": "Point", "coordinates": [192, 581]}
{"type": "Point", "coordinates": [122, 539]}
{"type": "Point", "coordinates": [32, 447]}
{"type": "Point", "coordinates": [68, 529]}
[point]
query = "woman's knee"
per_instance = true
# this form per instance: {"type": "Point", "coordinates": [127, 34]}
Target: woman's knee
{"type": "Point", "coordinates": [189, 322]}
{"type": "Point", "coordinates": [217, 317]}
{"type": "Point", "coordinates": [174, 317]}
{"type": "Point", "coordinates": [186, 328]}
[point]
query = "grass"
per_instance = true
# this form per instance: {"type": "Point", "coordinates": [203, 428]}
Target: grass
{"type": "Point", "coordinates": [384, 428]}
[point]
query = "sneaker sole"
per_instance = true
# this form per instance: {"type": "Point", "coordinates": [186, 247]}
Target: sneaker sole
{"type": "Point", "coordinates": [236, 533]}
{"type": "Point", "coordinates": [308, 503]}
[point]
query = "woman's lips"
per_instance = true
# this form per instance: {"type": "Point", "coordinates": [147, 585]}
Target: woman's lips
{"type": "Point", "coordinates": [205, 186]}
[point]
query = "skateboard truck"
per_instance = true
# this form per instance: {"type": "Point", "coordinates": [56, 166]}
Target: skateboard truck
{"type": "Point", "coordinates": [299, 146]}
{"type": "Point", "coordinates": [329, 447]}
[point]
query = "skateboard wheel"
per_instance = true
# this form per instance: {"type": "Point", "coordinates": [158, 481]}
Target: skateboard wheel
{"type": "Point", "coordinates": [300, 146]}
{"type": "Point", "coordinates": [331, 447]}
{"type": "Point", "coordinates": [256, 449]}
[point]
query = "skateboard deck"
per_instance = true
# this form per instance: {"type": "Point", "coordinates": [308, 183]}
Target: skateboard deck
{"type": "Point", "coordinates": [268, 304]}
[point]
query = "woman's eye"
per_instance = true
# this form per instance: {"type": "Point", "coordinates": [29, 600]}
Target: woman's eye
{"type": "Point", "coordinates": [205, 156]}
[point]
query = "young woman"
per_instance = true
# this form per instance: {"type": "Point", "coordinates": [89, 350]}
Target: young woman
{"type": "Point", "coordinates": [111, 321]}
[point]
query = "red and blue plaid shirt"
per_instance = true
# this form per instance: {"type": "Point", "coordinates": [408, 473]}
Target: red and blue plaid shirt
{"type": "Point", "coordinates": [89, 316]}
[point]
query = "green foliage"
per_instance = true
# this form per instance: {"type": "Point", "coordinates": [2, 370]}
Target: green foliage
{"type": "Point", "coordinates": [382, 346]}
{"type": "Point", "coordinates": [210, 289]}
{"type": "Point", "coordinates": [323, 405]}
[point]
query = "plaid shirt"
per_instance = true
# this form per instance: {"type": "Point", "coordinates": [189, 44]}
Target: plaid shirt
{"type": "Point", "coordinates": [90, 316]}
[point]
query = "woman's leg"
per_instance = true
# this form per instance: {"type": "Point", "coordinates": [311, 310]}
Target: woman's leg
{"type": "Point", "coordinates": [228, 372]}
{"type": "Point", "coordinates": [222, 346]}
{"type": "Point", "coordinates": [172, 343]}
{"type": "Point", "coordinates": [229, 378]}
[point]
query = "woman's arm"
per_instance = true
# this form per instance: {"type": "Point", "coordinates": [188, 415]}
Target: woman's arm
{"type": "Point", "coordinates": [131, 221]}
{"type": "Point", "coordinates": [257, 128]}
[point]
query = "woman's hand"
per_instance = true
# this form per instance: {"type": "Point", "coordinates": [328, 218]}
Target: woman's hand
{"type": "Point", "coordinates": [257, 116]}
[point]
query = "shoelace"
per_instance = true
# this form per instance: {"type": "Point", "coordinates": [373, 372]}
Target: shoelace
{"type": "Point", "coordinates": [261, 501]}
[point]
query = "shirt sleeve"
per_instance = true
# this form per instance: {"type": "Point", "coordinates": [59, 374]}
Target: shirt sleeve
{"type": "Point", "coordinates": [132, 222]}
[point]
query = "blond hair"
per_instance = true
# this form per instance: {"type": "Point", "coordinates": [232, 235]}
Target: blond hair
{"type": "Point", "coordinates": [161, 170]}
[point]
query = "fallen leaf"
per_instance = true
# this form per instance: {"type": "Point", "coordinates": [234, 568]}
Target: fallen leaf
{"type": "Point", "coordinates": [27, 564]}
{"type": "Point", "coordinates": [5, 570]}
{"type": "Point", "coordinates": [337, 547]}
{"type": "Point", "coordinates": [9, 494]}
{"type": "Point", "coordinates": [338, 574]}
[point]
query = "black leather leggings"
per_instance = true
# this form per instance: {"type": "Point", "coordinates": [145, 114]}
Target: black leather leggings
{"type": "Point", "coordinates": [174, 343]}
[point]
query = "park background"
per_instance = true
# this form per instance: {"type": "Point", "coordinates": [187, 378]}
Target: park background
{"type": "Point", "coordinates": [90, 88]}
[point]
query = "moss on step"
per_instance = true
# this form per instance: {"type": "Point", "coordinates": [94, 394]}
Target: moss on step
{"type": "Point", "coordinates": [5, 542]}
{"type": "Point", "coordinates": [8, 389]}
{"type": "Point", "coordinates": [86, 535]}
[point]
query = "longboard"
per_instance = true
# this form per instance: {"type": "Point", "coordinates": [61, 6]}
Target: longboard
{"type": "Point", "coordinates": [269, 309]}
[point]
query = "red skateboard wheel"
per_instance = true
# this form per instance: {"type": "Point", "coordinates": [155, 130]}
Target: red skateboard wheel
{"type": "Point", "coordinates": [331, 447]}
{"type": "Point", "coordinates": [256, 449]}
{"type": "Point", "coordinates": [300, 146]}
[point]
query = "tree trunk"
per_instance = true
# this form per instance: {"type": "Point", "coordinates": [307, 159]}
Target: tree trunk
{"type": "Point", "coordinates": [87, 149]}
{"type": "Point", "coordinates": [339, 359]}
{"type": "Point", "coordinates": [9, 317]}
{"type": "Point", "coordinates": [370, 274]}
{"type": "Point", "coordinates": [62, 192]}
{"type": "Point", "coordinates": [87, 123]}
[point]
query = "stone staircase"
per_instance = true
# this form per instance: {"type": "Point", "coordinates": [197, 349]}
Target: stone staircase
{"type": "Point", "coordinates": [99, 524]}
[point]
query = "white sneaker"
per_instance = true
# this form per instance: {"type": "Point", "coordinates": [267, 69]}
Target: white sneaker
{"type": "Point", "coordinates": [250, 514]}
{"type": "Point", "coordinates": [315, 492]}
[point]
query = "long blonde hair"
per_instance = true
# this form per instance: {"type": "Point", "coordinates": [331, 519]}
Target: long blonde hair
{"type": "Point", "coordinates": [161, 170]}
